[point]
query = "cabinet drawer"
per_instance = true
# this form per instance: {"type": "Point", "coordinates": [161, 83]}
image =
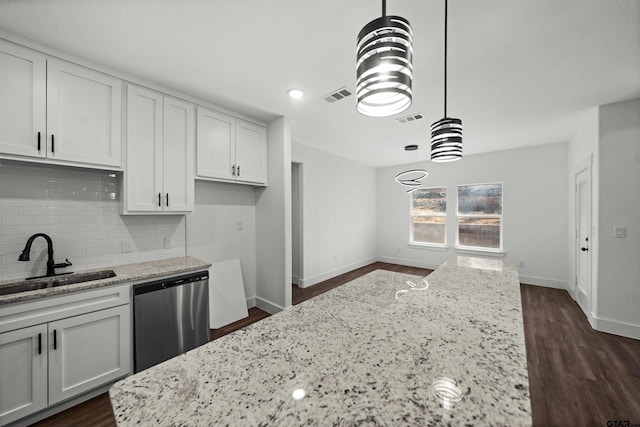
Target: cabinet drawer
{"type": "Point", "coordinates": [21, 315]}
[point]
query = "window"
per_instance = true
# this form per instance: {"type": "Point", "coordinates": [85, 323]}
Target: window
{"type": "Point", "coordinates": [480, 216]}
{"type": "Point", "coordinates": [428, 215]}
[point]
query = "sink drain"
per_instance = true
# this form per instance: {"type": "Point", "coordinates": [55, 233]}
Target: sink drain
{"type": "Point", "coordinates": [447, 392]}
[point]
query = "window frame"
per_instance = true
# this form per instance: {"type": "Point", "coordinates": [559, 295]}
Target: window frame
{"type": "Point", "coordinates": [463, 248]}
{"type": "Point", "coordinates": [412, 241]}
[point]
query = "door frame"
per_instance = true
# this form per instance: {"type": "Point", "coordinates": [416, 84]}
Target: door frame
{"type": "Point", "coordinates": [582, 167]}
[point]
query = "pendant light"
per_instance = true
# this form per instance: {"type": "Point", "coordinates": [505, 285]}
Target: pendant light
{"type": "Point", "coordinates": [383, 67]}
{"type": "Point", "coordinates": [411, 178]}
{"type": "Point", "coordinates": [446, 133]}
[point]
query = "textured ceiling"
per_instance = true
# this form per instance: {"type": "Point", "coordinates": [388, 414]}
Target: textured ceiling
{"type": "Point", "coordinates": [520, 71]}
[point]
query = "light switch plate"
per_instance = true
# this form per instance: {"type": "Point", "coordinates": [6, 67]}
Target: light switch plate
{"type": "Point", "coordinates": [168, 244]}
{"type": "Point", "coordinates": [619, 232]}
{"type": "Point", "coordinates": [126, 246]}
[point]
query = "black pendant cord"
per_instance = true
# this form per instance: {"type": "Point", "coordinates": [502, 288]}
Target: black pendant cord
{"type": "Point", "coordinates": [445, 57]}
{"type": "Point", "coordinates": [384, 7]}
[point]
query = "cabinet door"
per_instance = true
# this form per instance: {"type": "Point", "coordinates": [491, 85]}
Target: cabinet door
{"type": "Point", "coordinates": [88, 351]}
{"type": "Point", "coordinates": [143, 175]}
{"type": "Point", "coordinates": [215, 151]}
{"type": "Point", "coordinates": [22, 101]}
{"type": "Point", "coordinates": [83, 115]}
{"type": "Point", "coordinates": [251, 152]}
{"type": "Point", "coordinates": [178, 182]}
{"type": "Point", "coordinates": [23, 372]}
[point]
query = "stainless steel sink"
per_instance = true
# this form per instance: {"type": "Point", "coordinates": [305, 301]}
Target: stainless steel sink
{"type": "Point", "coordinates": [54, 281]}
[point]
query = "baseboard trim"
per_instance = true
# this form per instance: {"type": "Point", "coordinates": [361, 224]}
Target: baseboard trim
{"type": "Point", "coordinates": [295, 280]}
{"type": "Point", "coordinates": [304, 283]}
{"type": "Point", "coordinates": [615, 327]}
{"type": "Point", "coordinates": [409, 262]}
{"type": "Point", "coordinates": [251, 302]}
{"type": "Point", "coordinates": [267, 306]}
{"type": "Point", "coordinates": [541, 281]}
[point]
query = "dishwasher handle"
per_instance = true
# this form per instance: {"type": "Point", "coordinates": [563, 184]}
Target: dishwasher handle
{"type": "Point", "coordinates": [171, 282]}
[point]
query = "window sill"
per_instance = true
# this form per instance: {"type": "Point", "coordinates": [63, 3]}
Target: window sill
{"type": "Point", "coordinates": [431, 246]}
{"type": "Point", "coordinates": [479, 251]}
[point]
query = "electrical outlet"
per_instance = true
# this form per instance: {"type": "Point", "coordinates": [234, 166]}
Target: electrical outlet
{"type": "Point", "coordinates": [168, 244]}
{"type": "Point", "coordinates": [126, 246]}
{"type": "Point", "coordinates": [239, 226]}
{"type": "Point", "coordinates": [521, 264]}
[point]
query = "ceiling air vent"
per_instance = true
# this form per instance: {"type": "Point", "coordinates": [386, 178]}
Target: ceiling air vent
{"type": "Point", "coordinates": [410, 118]}
{"type": "Point", "coordinates": [337, 95]}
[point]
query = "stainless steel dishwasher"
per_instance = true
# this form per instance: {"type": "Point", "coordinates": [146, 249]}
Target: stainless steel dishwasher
{"type": "Point", "coordinates": [171, 317]}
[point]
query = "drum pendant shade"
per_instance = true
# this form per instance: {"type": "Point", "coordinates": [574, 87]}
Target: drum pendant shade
{"type": "Point", "coordinates": [383, 68]}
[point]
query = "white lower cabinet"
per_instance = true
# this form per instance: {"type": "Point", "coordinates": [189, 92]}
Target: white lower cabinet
{"type": "Point", "coordinates": [23, 372]}
{"type": "Point", "coordinates": [76, 350]}
{"type": "Point", "coordinates": [90, 350]}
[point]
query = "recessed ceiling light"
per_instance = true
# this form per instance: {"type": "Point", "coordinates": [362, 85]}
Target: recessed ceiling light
{"type": "Point", "coordinates": [295, 93]}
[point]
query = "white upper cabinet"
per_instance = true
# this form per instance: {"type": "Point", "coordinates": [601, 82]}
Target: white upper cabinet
{"type": "Point", "coordinates": [23, 96]}
{"type": "Point", "coordinates": [178, 154]}
{"type": "Point", "coordinates": [160, 141]}
{"type": "Point", "coordinates": [55, 110]}
{"type": "Point", "coordinates": [251, 152]}
{"type": "Point", "coordinates": [83, 115]}
{"type": "Point", "coordinates": [216, 144]}
{"type": "Point", "coordinates": [230, 149]}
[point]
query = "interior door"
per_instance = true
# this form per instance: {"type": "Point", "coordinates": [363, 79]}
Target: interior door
{"type": "Point", "coordinates": [583, 243]}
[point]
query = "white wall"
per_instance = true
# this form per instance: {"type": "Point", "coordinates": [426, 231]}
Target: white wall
{"type": "Point", "coordinates": [79, 209]}
{"type": "Point", "coordinates": [213, 233]}
{"type": "Point", "coordinates": [534, 210]}
{"type": "Point", "coordinates": [339, 214]}
{"type": "Point", "coordinates": [273, 222]}
{"type": "Point", "coordinates": [619, 205]}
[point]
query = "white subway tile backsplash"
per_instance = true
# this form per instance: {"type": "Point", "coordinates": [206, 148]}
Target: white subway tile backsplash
{"type": "Point", "coordinates": [17, 220]}
{"type": "Point", "coordinates": [34, 211]}
{"type": "Point", "coordinates": [8, 211]}
{"type": "Point", "coordinates": [79, 209]}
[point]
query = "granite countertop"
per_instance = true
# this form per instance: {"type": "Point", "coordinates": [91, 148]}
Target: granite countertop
{"type": "Point", "coordinates": [124, 273]}
{"type": "Point", "coordinates": [368, 352]}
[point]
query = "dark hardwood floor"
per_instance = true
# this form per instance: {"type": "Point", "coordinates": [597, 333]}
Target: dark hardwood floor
{"type": "Point", "coordinates": [577, 376]}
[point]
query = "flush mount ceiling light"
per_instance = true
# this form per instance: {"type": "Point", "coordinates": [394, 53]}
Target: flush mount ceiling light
{"type": "Point", "coordinates": [446, 133]}
{"type": "Point", "coordinates": [295, 93]}
{"type": "Point", "coordinates": [383, 67]}
{"type": "Point", "coordinates": [412, 177]}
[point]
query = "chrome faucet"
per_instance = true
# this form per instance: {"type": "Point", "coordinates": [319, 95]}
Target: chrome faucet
{"type": "Point", "coordinates": [51, 265]}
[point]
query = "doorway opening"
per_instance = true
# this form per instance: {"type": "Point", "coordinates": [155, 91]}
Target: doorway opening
{"type": "Point", "coordinates": [297, 219]}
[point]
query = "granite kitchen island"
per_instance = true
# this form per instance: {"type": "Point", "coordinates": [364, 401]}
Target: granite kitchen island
{"type": "Point", "coordinates": [376, 351]}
